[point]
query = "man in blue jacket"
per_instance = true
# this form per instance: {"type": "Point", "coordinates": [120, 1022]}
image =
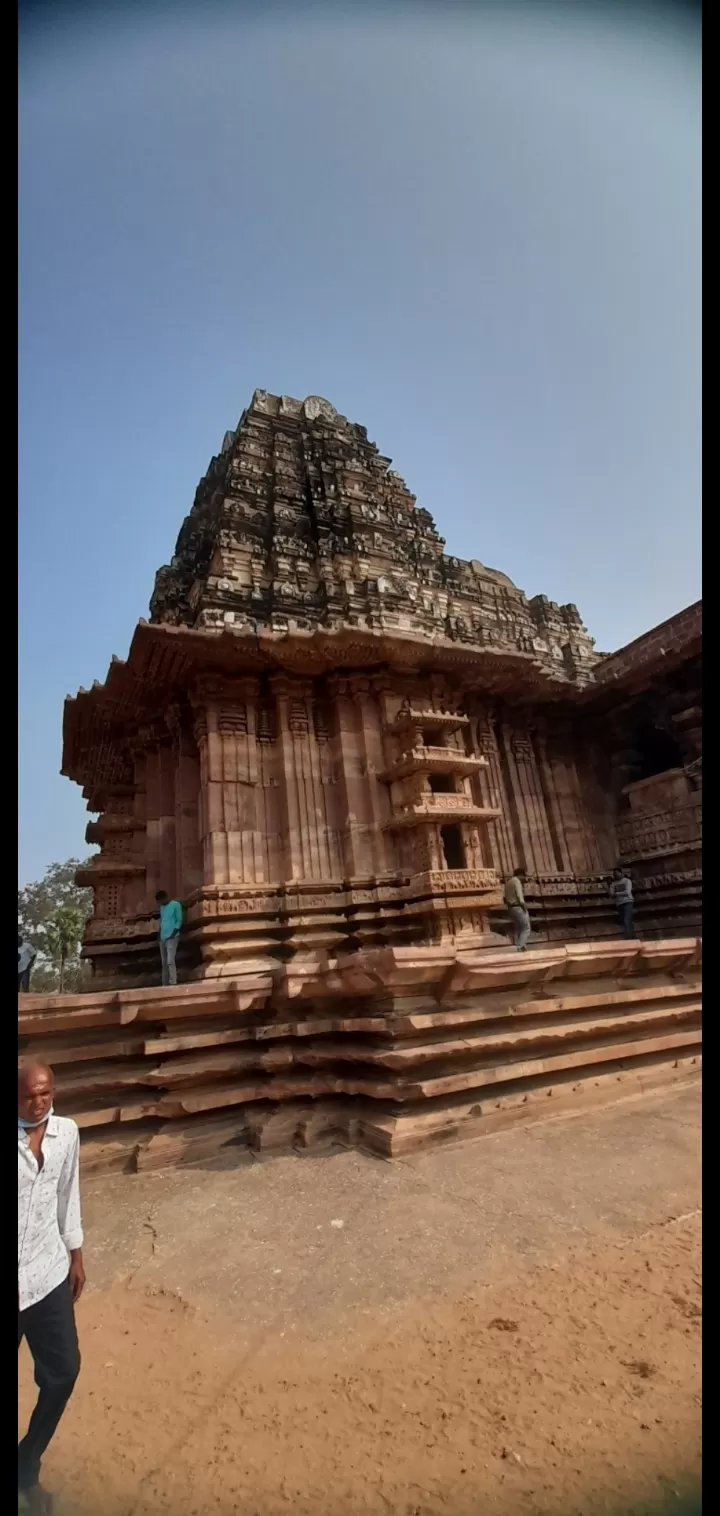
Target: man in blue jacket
{"type": "Point", "coordinates": [170, 923]}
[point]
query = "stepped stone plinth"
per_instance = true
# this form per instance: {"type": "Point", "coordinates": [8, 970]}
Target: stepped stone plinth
{"type": "Point", "coordinates": [384, 1049]}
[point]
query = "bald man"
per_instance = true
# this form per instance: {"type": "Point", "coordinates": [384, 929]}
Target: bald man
{"type": "Point", "coordinates": [50, 1265]}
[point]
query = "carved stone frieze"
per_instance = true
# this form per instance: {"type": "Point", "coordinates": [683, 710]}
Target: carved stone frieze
{"type": "Point", "coordinates": [664, 832]}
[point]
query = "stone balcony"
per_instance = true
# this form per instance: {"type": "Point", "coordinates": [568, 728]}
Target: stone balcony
{"type": "Point", "coordinates": [412, 720]}
{"type": "Point", "coordinates": [439, 809]}
{"type": "Point", "coordinates": [432, 760]}
{"type": "Point", "coordinates": [456, 882]}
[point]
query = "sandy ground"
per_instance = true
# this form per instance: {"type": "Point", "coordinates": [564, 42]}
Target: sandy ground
{"type": "Point", "coordinates": [510, 1327]}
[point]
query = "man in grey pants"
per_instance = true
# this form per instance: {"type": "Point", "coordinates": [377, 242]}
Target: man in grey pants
{"type": "Point", "coordinates": [169, 935]}
{"type": "Point", "coordinates": [517, 910]}
{"type": "Point", "coordinates": [621, 891]}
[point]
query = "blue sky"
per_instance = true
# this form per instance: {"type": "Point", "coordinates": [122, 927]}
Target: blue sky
{"type": "Point", "coordinates": [476, 231]}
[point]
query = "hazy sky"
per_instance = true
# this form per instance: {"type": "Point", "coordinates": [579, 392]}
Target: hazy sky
{"type": "Point", "coordinates": [476, 232]}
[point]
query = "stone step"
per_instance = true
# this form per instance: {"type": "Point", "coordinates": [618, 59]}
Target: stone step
{"type": "Point", "coordinates": [507, 1039]}
{"type": "Point", "coordinates": [321, 1124]}
{"type": "Point", "coordinates": [382, 1048]}
{"type": "Point", "coordinates": [425, 1018]}
{"type": "Point", "coordinates": [540, 1099]}
{"type": "Point", "coordinates": [141, 1103]}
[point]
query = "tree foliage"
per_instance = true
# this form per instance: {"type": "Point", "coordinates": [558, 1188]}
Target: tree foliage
{"type": "Point", "coordinates": [51, 915]}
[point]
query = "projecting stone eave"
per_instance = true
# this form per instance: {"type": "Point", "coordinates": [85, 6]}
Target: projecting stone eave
{"type": "Point", "coordinates": [658, 651]}
{"type": "Point", "coordinates": [165, 661]}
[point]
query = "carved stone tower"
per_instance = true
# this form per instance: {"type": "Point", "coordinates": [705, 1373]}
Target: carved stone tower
{"type": "Point", "coordinates": [292, 745]}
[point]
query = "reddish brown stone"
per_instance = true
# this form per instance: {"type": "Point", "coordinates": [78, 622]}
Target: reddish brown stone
{"type": "Point", "coordinates": [332, 736]}
{"type": "Point", "coordinates": [383, 1049]}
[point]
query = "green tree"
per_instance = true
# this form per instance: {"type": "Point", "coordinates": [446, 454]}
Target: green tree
{"type": "Point", "coordinates": [51, 915]}
{"type": "Point", "coordinates": [63, 935]}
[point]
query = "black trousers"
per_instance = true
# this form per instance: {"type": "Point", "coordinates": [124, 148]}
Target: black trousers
{"type": "Point", "coordinates": [49, 1328]}
{"type": "Point", "coordinates": [24, 981]}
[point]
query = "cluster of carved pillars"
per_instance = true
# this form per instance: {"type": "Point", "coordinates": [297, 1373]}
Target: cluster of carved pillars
{"type": "Point", "coordinates": [554, 817]}
{"type": "Point", "coordinates": [259, 783]}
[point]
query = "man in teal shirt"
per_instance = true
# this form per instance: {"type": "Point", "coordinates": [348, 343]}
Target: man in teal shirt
{"type": "Point", "coordinates": [170, 923]}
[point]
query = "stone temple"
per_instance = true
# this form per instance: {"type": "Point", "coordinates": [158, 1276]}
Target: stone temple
{"type": "Point", "coordinates": [331, 734]}
{"type": "Point", "coordinates": [332, 742]}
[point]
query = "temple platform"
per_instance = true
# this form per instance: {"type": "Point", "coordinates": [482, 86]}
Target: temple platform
{"type": "Point", "coordinates": [383, 1050]}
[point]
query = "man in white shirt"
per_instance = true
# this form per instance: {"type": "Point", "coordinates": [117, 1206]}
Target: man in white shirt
{"type": "Point", "coordinates": [50, 1265]}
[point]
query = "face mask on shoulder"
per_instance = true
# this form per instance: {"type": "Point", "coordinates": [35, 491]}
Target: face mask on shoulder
{"type": "Point", "coordinates": [30, 1126]}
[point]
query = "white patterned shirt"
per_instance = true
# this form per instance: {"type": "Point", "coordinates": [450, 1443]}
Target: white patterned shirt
{"type": "Point", "coordinates": [49, 1222]}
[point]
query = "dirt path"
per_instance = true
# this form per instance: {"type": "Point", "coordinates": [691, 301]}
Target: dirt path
{"type": "Point", "coordinates": [572, 1387]}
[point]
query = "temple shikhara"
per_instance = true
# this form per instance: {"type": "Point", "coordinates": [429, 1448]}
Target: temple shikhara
{"type": "Point", "coordinates": [332, 742]}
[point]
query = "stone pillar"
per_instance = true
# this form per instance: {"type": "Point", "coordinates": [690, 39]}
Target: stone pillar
{"type": "Point", "coordinates": [473, 844]}
{"type": "Point", "coordinates": [249, 690]}
{"type": "Point", "coordinates": [517, 809]}
{"type": "Point", "coordinates": [531, 801]}
{"type": "Point", "coordinates": [204, 721]}
{"type": "Point", "coordinates": [244, 860]}
{"type": "Point", "coordinates": [152, 812]}
{"type": "Point", "coordinates": [140, 814]}
{"type": "Point", "coordinates": [581, 846]}
{"type": "Point", "coordinates": [324, 767]}
{"type": "Point", "coordinates": [373, 763]}
{"type": "Point", "coordinates": [599, 797]}
{"type": "Point", "coordinates": [301, 748]}
{"type": "Point", "coordinates": [546, 777]}
{"type": "Point", "coordinates": [489, 789]}
{"type": "Point", "coordinates": [188, 846]}
{"type": "Point", "coordinates": [271, 808]}
{"type": "Point", "coordinates": [168, 857]}
{"type": "Point", "coordinates": [160, 865]}
{"type": "Point", "coordinates": [231, 816]}
{"type": "Point", "coordinates": [686, 728]}
{"type": "Point", "coordinates": [350, 757]}
{"type": "Point", "coordinates": [294, 854]}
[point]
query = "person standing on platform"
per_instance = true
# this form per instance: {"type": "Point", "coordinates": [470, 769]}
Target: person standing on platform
{"type": "Point", "coordinates": [26, 959]}
{"type": "Point", "coordinates": [50, 1266]}
{"type": "Point", "coordinates": [621, 891]}
{"type": "Point", "coordinates": [517, 910]}
{"type": "Point", "coordinates": [171, 915]}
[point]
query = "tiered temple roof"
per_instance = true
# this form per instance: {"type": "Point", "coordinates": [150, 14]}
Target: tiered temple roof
{"type": "Point", "coordinates": [305, 551]}
{"type": "Point", "coordinates": [301, 523]}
